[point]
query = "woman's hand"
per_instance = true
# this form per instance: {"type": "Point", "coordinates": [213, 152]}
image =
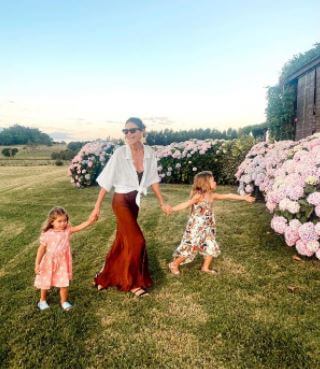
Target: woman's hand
{"type": "Point", "coordinates": [92, 218]}
{"type": "Point", "coordinates": [95, 214]}
{"type": "Point", "coordinates": [166, 208]}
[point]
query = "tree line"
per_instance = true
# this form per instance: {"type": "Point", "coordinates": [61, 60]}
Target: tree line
{"type": "Point", "coordinates": [20, 135]}
{"type": "Point", "coordinates": [167, 136]}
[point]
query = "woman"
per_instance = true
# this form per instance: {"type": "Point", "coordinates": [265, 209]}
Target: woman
{"type": "Point", "coordinates": [131, 169]}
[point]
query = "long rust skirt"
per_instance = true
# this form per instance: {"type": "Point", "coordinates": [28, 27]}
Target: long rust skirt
{"type": "Point", "coordinates": [126, 264]}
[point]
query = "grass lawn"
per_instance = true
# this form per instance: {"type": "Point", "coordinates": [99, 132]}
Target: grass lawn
{"type": "Point", "coordinates": [261, 311]}
{"type": "Point", "coordinates": [30, 155]}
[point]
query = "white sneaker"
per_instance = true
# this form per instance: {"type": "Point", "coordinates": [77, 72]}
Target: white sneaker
{"type": "Point", "coordinates": [66, 306]}
{"type": "Point", "coordinates": [43, 305]}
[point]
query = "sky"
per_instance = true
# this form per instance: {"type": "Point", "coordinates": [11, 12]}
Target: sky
{"type": "Point", "coordinates": [78, 69]}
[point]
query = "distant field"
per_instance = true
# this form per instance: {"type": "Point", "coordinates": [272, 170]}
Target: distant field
{"type": "Point", "coordinates": [29, 155]}
{"type": "Point", "coordinates": [34, 152]}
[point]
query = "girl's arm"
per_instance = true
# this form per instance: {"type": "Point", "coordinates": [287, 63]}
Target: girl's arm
{"type": "Point", "coordinates": [187, 204]}
{"type": "Point", "coordinates": [40, 253]}
{"type": "Point", "coordinates": [156, 189]}
{"type": "Point", "coordinates": [232, 196]}
{"type": "Point", "coordinates": [84, 225]}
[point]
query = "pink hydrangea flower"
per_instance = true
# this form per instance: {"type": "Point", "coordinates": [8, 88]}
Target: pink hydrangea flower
{"type": "Point", "coordinates": [307, 232]}
{"type": "Point", "coordinates": [317, 210]}
{"type": "Point", "coordinates": [314, 198]}
{"type": "Point", "coordinates": [313, 246]}
{"type": "Point", "coordinates": [279, 224]}
{"type": "Point", "coordinates": [317, 228]}
{"type": "Point", "coordinates": [295, 224]}
{"type": "Point", "coordinates": [271, 206]}
{"type": "Point", "coordinates": [302, 249]}
{"type": "Point", "coordinates": [291, 236]}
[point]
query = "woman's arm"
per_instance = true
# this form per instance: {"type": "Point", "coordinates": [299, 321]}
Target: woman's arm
{"type": "Point", "coordinates": [156, 189]}
{"type": "Point", "coordinates": [40, 253]}
{"type": "Point", "coordinates": [96, 211]}
{"type": "Point", "coordinates": [232, 196]}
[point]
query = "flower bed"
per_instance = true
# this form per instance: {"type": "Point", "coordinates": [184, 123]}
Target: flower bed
{"type": "Point", "coordinates": [88, 163]}
{"type": "Point", "coordinates": [179, 162]}
{"type": "Point", "coordinates": [288, 175]}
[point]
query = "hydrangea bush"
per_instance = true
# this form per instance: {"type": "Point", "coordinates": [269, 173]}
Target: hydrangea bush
{"type": "Point", "coordinates": [179, 162]}
{"type": "Point", "coordinates": [88, 163]}
{"type": "Point", "coordinates": [288, 175]}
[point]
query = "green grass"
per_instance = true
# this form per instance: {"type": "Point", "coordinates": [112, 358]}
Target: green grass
{"type": "Point", "coordinates": [31, 155]}
{"type": "Point", "coordinates": [246, 317]}
{"type": "Point", "coordinates": [35, 151]}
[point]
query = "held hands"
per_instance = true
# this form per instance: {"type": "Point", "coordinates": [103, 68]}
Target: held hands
{"type": "Point", "coordinates": [166, 208]}
{"type": "Point", "coordinates": [92, 218]}
{"type": "Point", "coordinates": [95, 214]}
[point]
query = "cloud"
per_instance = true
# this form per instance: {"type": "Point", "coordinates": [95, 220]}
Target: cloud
{"type": "Point", "coordinates": [81, 122]}
{"type": "Point", "coordinates": [163, 121]}
{"type": "Point", "coordinates": [108, 121]}
{"type": "Point", "coordinates": [61, 136]}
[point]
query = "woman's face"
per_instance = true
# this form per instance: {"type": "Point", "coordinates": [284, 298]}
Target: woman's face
{"type": "Point", "coordinates": [134, 136]}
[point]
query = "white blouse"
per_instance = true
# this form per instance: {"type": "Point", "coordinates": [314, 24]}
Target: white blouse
{"type": "Point", "coordinates": [121, 174]}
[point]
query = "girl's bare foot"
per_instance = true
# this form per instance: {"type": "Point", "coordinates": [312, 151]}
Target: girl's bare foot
{"type": "Point", "coordinates": [173, 269]}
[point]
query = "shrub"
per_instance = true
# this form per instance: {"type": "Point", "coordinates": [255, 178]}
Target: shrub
{"type": "Point", "coordinates": [89, 162]}
{"type": "Point", "coordinates": [179, 162]}
{"type": "Point", "coordinates": [10, 151]}
{"type": "Point", "coordinates": [288, 175]}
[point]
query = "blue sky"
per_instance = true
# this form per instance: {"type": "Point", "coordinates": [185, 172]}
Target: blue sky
{"type": "Point", "coordinates": [79, 69]}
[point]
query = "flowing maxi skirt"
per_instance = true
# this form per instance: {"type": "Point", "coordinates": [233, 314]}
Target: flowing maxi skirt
{"type": "Point", "coordinates": [126, 264]}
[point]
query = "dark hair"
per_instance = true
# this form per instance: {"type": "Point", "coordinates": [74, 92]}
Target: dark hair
{"type": "Point", "coordinates": [137, 121]}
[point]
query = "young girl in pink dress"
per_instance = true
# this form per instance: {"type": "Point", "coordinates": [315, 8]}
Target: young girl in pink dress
{"type": "Point", "coordinates": [53, 266]}
{"type": "Point", "coordinates": [200, 234]}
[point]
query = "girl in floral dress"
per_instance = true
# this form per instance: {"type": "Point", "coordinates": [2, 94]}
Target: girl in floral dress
{"type": "Point", "coordinates": [200, 232]}
{"type": "Point", "coordinates": [53, 266]}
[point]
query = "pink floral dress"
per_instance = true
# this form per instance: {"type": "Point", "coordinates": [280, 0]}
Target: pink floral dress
{"type": "Point", "coordinates": [199, 235]}
{"type": "Point", "coordinates": [56, 264]}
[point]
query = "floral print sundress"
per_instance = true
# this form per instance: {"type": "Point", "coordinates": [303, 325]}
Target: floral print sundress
{"type": "Point", "coordinates": [199, 235]}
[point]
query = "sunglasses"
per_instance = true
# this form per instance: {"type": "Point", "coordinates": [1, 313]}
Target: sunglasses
{"type": "Point", "coordinates": [131, 130]}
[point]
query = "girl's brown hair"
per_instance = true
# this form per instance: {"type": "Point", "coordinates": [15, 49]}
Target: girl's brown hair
{"type": "Point", "coordinates": [201, 183]}
{"type": "Point", "coordinates": [52, 216]}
